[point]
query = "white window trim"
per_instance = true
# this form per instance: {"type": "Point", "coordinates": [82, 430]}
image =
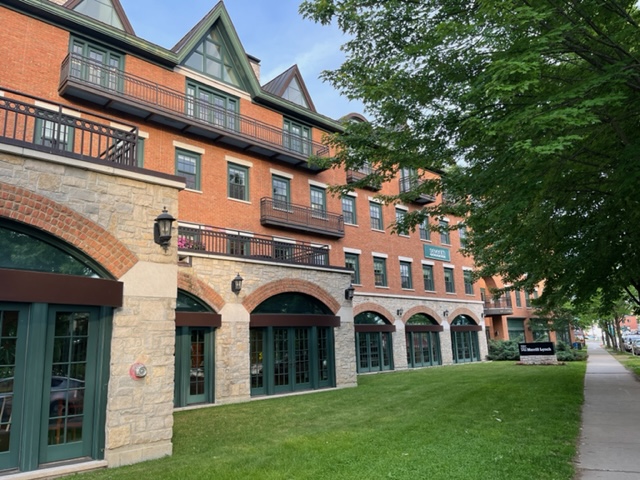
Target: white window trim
{"type": "Point", "coordinates": [355, 251]}
{"type": "Point", "coordinates": [375, 200]}
{"type": "Point", "coordinates": [318, 184]}
{"type": "Point", "coordinates": [190, 148]}
{"type": "Point", "coordinates": [405, 259]}
{"type": "Point", "coordinates": [238, 161]}
{"type": "Point", "coordinates": [427, 262]}
{"type": "Point", "coordinates": [402, 207]}
{"type": "Point", "coordinates": [66, 111]}
{"type": "Point", "coordinates": [379, 255]}
{"type": "Point", "coordinates": [448, 265]}
{"type": "Point", "coordinates": [280, 173]}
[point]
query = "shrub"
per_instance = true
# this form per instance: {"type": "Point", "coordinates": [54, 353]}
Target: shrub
{"type": "Point", "coordinates": [503, 350]}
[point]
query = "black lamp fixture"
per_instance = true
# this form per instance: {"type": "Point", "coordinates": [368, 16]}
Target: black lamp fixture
{"type": "Point", "coordinates": [162, 228]}
{"type": "Point", "coordinates": [236, 284]}
{"type": "Point", "coordinates": [445, 313]}
{"type": "Point", "coordinates": [400, 311]}
{"type": "Point", "coordinates": [349, 292]}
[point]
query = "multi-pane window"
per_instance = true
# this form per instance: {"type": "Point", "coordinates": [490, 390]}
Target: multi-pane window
{"type": "Point", "coordinates": [349, 210]}
{"type": "Point", "coordinates": [352, 262]}
{"type": "Point", "coordinates": [380, 271]}
{"type": "Point", "coordinates": [211, 106]}
{"type": "Point", "coordinates": [296, 137]}
{"type": "Point", "coordinates": [52, 133]}
{"type": "Point", "coordinates": [213, 58]}
{"type": "Point", "coordinates": [318, 202]}
{"type": "Point", "coordinates": [238, 246]}
{"type": "Point", "coordinates": [375, 211]}
{"type": "Point", "coordinates": [427, 276]}
{"type": "Point", "coordinates": [294, 93]}
{"type": "Point", "coordinates": [188, 166]}
{"type": "Point", "coordinates": [405, 275]}
{"type": "Point", "coordinates": [400, 215]}
{"type": "Point", "coordinates": [445, 237]}
{"type": "Point", "coordinates": [238, 186]}
{"type": "Point", "coordinates": [425, 232]}
{"type": "Point", "coordinates": [449, 284]}
{"type": "Point", "coordinates": [527, 299]}
{"type": "Point", "coordinates": [95, 64]}
{"type": "Point", "coordinates": [281, 191]}
{"type": "Point", "coordinates": [468, 282]}
{"type": "Point", "coordinates": [518, 298]}
{"type": "Point", "coordinates": [462, 232]}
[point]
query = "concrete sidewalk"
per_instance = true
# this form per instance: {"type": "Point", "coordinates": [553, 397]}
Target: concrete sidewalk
{"type": "Point", "coordinates": [609, 447]}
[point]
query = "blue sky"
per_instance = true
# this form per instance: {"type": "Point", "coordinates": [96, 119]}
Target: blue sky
{"type": "Point", "coordinates": [271, 30]}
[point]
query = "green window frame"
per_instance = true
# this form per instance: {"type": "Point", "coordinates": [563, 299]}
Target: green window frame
{"type": "Point", "coordinates": [462, 233]}
{"type": "Point", "coordinates": [380, 271]}
{"type": "Point", "coordinates": [140, 152]}
{"type": "Point", "coordinates": [352, 262]}
{"type": "Point", "coordinates": [427, 277]}
{"type": "Point", "coordinates": [425, 231]}
{"type": "Point", "coordinates": [375, 212]}
{"type": "Point", "coordinates": [99, 65]}
{"type": "Point", "coordinates": [349, 210]}
{"type": "Point", "coordinates": [449, 282]}
{"type": "Point", "coordinates": [423, 349]}
{"type": "Point", "coordinates": [188, 166]}
{"type": "Point", "coordinates": [238, 184]}
{"type": "Point", "coordinates": [52, 133]}
{"type": "Point", "coordinates": [318, 200]}
{"type": "Point", "coordinates": [468, 282]}
{"type": "Point", "coordinates": [400, 215]}
{"type": "Point", "coordinates": [281, 188]}
{"type": "Point", "coordinates": [212, 57]}
{"type": "Point", "coordinates": [405, 275]}
{"type": "Point", "coordinates": [296, 137]}
{"type": "Point", "coordinates": [445, 235]}
{"type": "Point", "coordinates": [527, 299]}
{"type": "Point", "coordinates": [518, 298]}
{"type": "Point", "coordinates": [212, 106]}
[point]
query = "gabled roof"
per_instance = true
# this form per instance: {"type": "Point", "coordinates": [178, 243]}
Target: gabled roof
{"type": "Point", "coordinates": [219, 14]}
{"type": "Point", "coordinates": [279, 85]}
{"type": "Point", "coordinates": [117, 8]}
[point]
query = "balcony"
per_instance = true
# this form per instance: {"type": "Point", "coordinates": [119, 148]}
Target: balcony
{"type": "Point", "coordinates": [357, 175]}
{"type": "Point", "coordinates": [408, 184]}
{"type": "Point", "coordinates": [281, 214]}
{"type": "Point", "coordinates": [108, 87]}
{"type": "Point", "coordinates": [498, 306]}
{"type": "Point", "coordinates": [213, 240]}
{"type": "Point", "coordinates": [53, 130]}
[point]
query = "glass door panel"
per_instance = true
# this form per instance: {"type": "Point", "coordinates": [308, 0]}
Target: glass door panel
{"type": "Point", "coordinates": [197, 369]}
{"type": "Point", "coordinates": [302, 370]}
{"type": "Point", "coordinates": [281, 357]}
{"type": "Point", "coordinates": [68, 389]}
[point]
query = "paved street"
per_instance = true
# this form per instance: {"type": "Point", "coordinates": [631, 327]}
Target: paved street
{"type": "Point", "coordinates": [609, 447]}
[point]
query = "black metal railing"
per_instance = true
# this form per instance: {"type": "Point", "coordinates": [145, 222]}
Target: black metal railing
{"type": "Point", "coordinates": [214, 240]}
{"type": "Point", "coordinates": [498, 306]}
{"type": "Point", "coordinates": [411, 183]}
{"type": "Point", "coordinates": [25, 124]}
{"type": "Point", "coordinates": [158, 98]}
{"type": "Point", "coordinates": [357, 175]}
{"type": "Point", "coordinates": [287, 215]}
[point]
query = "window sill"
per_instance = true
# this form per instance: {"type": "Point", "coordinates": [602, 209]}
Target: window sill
{"type": "Point", "coordinates": [246, 202]}
{"type": "Point", "coordinates": [192, 190]}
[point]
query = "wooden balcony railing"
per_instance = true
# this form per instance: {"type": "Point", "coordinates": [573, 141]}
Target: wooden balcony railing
{"type": "Point", "coordinates": [409, 184]}
{"type": "Point", "coordinates": [278, 213]}
{"type": "Point", "coordinates": [89, 137]}
{"type": "Point", "coordinates": [93, 81]}
{"type": "Point", "coordinates": [217, 241]}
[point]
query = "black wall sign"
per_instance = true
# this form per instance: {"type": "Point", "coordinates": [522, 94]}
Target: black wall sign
{"type": "Point", "coordinates": [538, 348]}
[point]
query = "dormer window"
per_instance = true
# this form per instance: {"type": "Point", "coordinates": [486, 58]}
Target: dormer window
{"type": "Point", "coordinates": [212, 57]}
{"type": "Point", "coordinates": [294, 94]}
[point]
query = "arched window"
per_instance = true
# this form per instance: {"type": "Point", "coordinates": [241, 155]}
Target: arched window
{"type": "Point", "coordinates": [291, 344]}
{"type": "Point", "coordinates": [374, 344]}
{"type": "Point", "coordinates": [423, 341]}
{"type": "Point", "coordinates": [464, 339]}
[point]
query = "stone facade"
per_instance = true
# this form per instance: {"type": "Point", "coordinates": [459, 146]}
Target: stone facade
{"type": "Point", "coordinates": [85, 198]}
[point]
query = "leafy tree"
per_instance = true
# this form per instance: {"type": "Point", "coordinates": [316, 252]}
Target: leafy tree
{"type": "Point", "coordinates": [531, 107]}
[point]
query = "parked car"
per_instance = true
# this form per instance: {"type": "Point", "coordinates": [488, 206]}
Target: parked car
{"type": "Point", "coordinates": [66, 393]}
{"type": "Point", "coordinates": [635, 347]}
{"type": "Point", "coordinates": [627, 341]}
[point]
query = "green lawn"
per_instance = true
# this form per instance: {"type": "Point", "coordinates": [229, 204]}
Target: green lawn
{"type": "Point", "coordinates": [478, 421]}
{"type": "Point", "coordinates": [628, 360]}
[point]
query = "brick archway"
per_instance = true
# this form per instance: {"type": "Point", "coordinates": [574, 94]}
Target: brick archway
{"type": "Point", "coordinates": [422, 309]}
{"type": "Point", "coordinates": [290, 285]}
{"type": "Point", "coordinates": [374, 307]}
{"type": "Point", "coordinates": [40, 212]}
{"type": "Point", "coordinates": [197, 287]}
{"type": "Point", "coordinates": [464, 311]}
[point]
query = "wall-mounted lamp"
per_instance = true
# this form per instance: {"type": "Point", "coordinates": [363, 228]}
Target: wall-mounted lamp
{"type": "Point", "coordinates": [162, 228]}
{"type": "Point", "coordinates": [445, 313]}
{"type": "Point", "coordinates": [349, 292]}
{"type": "Point", "coordinates": [236, 284]}
{"type": "Point", "coordinates": [400, 312]}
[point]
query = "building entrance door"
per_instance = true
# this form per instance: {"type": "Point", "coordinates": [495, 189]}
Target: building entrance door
{"type": "Point", "coordinates": [48, 370]}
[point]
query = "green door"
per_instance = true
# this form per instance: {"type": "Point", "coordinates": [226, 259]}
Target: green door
{"type": "Point", "coordinates": [48, 370]}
